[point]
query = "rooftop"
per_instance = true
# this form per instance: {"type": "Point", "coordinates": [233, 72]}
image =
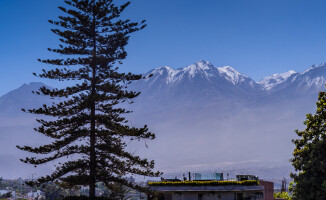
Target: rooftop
{"type": "Point", "coordinates": [205, 183]}
{"type": "Point", "coordinates": [206, 186]}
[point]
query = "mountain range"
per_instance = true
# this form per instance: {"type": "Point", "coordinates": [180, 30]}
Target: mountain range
{"type": "Point", "coordinates": [209, 117]}
{"type": "Point", "coordinates": [206, 118]}
{"type": "Point", "coordinates": [226, 79]}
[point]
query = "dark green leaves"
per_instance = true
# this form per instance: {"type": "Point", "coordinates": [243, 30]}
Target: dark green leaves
{"type": "Point", "coordinates": [309, 156]}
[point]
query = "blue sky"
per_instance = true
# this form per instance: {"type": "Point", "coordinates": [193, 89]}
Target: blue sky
{"type": "Point", "coordinates": [256, 37]}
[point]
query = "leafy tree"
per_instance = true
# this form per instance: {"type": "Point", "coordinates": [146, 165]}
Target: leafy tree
{"type": "Point", "coordinates": [53, 191]}
{"type": "Point", "coordinates": [116, 191]}
{"type": "Point", "coordinates": [88, 123]}
{"type": "Point", "coordinates": [283, 195]}
{"type": "Point", "coordinates": [309, 156]}
{"type": "Point", "coordinates": [6, 195]}
{"type": "Point", "coordinates": [119, 192]}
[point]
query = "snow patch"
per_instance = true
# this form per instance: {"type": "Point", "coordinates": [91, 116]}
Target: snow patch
{"type": "Point", "coordinates": [271, 81]}
{"type": "Point", "coordinates": [233, 75]}
{"type": "Point", "coordinates": [200, 66]}
{"type": "Point", "coordinates": [202, 69]}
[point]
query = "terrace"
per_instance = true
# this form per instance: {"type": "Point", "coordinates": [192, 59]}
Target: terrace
{"type": "Point", "coordinates": [245, 187]}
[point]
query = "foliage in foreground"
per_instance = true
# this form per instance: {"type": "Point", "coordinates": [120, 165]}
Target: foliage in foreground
{"type": "Point", "coordinates": [309, 156]}
{"type": "Point", "coordinates": [205, 183]}
{"type": "Point", "coordinates": [5, 196]}
{"type": "Point", "coordinates": [283, 195]}
{"type": "Point", "coordinates": [86, 198]}
{"type": "Point", "coordinates": [86, 123]}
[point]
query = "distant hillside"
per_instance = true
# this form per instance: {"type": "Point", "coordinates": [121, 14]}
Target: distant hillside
{"type": "Point", "coordinates": [16, 128]}
{"type": "Point", "coordinates": [204, 117]}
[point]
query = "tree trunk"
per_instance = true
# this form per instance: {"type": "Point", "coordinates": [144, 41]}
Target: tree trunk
{"type": "Point", "coordinates": [92, 172]}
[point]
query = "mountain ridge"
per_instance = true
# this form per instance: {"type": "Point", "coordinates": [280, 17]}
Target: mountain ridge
{"type": "Point", "coordinates": [202, 68]}
{"type": "Point", "coordinates": [204, 117]}
{"type": "Point", "coordinates": [227, 74]}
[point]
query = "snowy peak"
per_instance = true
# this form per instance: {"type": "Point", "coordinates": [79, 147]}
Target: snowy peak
{"type": "Point", "coordinates": [312, 77]}
{"type": "Point", "coordinates": [205, 73]}
{"type": "Point", "coordinates": [170, 76]}
{"type": "Point", "coordinates": [290, 72]}
{"type": "Point", "coordinates": [314, 68]}
{"type": "Point", "coordinates": [271, 81]}
{"type": "Point", "coordinates": [162, 71]}
{"type": "Point", "coordinates": [233, 75]}
{"type": "Point", "coordinates": [203, 70]}
{"type": "Point", "coordinates": [309, 81]}
{"type": "Point", "coordinates": [201, 67]}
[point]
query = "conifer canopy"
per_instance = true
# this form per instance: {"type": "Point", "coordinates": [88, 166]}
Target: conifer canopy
{"type": "Point", "coordinates": [87, 122]}
{"type": "Point", "coordinates": [309, 156]}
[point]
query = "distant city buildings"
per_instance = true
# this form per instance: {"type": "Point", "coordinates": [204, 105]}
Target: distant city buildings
{"type": "Point", "coordinates": [36, 194]}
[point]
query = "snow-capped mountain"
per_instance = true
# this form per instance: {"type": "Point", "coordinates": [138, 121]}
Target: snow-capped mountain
{"type": "Point", "coordinates": [236, 77]}
{"type": "Point", "coordinates": [201, 80]}
{"type": "Point", "coordinates": [201, 110]}
{"type": "Point", "coordinates": [312, 77]}
{"type": "Point", "coordinates": [202, 69]}
{"type": "Point", "coordinates": [204, 117]}
{"type": "Point", "coordinates": [311, 81]}
{"type": "Point", "coordinates": [269, 82]}
{"type": "Point", "coordinates": [224, 79]}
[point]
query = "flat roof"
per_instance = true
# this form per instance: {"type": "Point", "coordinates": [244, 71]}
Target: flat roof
{"type": "Point", "coordinates": [228, 188]}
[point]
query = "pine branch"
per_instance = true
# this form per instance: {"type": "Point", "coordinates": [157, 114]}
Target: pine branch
{"type": "Point", "coordinates": [86, 118]}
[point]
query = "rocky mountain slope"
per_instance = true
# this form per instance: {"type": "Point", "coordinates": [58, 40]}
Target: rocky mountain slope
{"type": "Point", "coordinates": [217, 117]}
{"type": "Point", "coordinates": [205, 118]}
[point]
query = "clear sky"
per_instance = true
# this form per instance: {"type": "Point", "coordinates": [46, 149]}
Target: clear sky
{"type": "Point", "coordinates": [256, 37]}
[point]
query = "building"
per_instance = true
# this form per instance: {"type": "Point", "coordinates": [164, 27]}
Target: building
{"type": "Point", "coordinates": [245, 187]}
{"type": "Point", "coordinates": [268, 189]}
{"type": "Point", "coordinates": [33, 195]}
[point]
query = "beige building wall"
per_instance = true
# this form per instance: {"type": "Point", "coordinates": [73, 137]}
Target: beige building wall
{"type": "Point", "coordinates": [205, 196]}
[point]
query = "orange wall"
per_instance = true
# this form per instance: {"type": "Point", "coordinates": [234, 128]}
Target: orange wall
{"type": "Point", "coordinates": [269, 189]}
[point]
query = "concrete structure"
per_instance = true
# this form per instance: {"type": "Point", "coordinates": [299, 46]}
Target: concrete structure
{"type": "Point", "coordinates": [212, 187]}
{"type": "Point", "coordinates": [268, 189]}
{"type": "Point", "coordinates": [179, 191]}
{"type": "Point", "coordinates": [208, 192]}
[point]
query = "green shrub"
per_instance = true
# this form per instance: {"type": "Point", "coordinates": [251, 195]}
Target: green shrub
{"type": "Point", "coordinates": [204, 183]}
{"type": "Point", "coordinates": [283, 195]}
{"type": "Point", "coordinates": [84, 198]}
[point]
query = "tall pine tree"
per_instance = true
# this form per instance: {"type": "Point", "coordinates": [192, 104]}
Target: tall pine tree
{"type": "Point", "coordinates": [87, 122]}
{"type": "Point", "coordinates": [309, 156]}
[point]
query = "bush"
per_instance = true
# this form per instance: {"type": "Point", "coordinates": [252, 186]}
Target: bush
{"type": "Point", "coordinates": [84, 198]}
{"type": "Point", "coordinates": [283, 195]}
{"type": "Point", "coordinates": [5, 196]}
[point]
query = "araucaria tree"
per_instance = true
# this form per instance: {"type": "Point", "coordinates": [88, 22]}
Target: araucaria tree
{"type": "Point", "coordinates": [88, 124]}
{"type": "Point", "coordinates": [309, 156]}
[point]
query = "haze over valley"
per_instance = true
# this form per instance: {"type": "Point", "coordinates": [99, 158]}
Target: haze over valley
{"type": "Point", "coordinates": [206, 118]}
